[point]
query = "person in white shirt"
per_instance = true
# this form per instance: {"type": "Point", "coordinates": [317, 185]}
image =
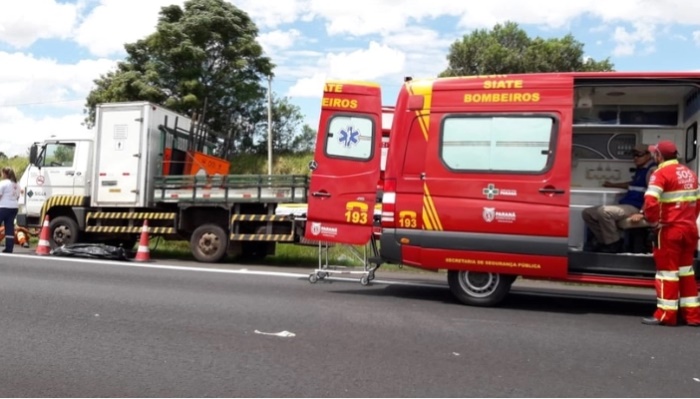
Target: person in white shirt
{"type": "Point", "coordinates": [9, 202]}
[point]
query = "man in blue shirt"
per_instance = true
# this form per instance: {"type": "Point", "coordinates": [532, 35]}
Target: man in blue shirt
{"type": "Point", "coordinates": [602, 220]}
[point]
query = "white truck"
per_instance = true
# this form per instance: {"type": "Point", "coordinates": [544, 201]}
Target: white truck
{"type": "Point", "coordinates": [144, 162]}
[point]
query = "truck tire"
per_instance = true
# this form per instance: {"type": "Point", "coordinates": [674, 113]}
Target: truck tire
{"type": "Point", "coordinates": [479, 288]}
{"type": "Point", "coordinates": [256, 250]}
{"type": "Point", "coordinates": [63, 231]}
{"type": "Point", "coordinates": [209, 243]}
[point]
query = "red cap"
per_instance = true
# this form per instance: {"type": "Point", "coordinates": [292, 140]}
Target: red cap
{"type": "Point", "coordinates": [666, 148]}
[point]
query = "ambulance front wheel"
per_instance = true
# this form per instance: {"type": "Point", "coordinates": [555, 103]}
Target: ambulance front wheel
{"type": "Point", "coordinates": [479, 288]}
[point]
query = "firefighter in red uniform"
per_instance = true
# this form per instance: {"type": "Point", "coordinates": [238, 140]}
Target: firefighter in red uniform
{"type": "Point", "coordinates": [671, 207]}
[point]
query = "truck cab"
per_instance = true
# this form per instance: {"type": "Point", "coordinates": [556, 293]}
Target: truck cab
{"type": "Point", "coordinates": [57, 166]}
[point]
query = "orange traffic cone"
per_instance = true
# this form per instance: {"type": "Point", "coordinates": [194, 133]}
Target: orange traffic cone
{"type": "Point", "coordinates": [143, 254]}
{"type": "Point", "coordinates": [44, 248]}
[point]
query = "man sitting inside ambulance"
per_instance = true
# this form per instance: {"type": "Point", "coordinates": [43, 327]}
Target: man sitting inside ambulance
{"type": "Point", "coordinates": [602, 220]}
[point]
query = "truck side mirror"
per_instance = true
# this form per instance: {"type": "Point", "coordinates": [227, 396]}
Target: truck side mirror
{"type": "Point", "coordinates": [33, 152]}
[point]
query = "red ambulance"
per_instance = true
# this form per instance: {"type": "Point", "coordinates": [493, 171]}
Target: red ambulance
{"type": "Point", "coordinates": [487, 176]}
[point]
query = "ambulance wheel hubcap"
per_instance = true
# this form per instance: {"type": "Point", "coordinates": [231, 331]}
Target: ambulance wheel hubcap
{"type": "Point", "coordinates": [478, 284]}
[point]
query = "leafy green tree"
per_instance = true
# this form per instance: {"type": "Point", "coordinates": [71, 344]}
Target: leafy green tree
{"type": "Point", "coordinates": [202, 61]}
{"type": "Point", "coordinates": [305, 142]}
{"type": "Point", "coordinates": [286, 118]}
{"type": "Point", "coordinates": [507, 49]}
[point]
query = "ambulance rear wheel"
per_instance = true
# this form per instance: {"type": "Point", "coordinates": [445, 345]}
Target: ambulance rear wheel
{"type": "Point", "coordinates": [479, 288]}
{"type": "Point", "coordinates": [209, 243]}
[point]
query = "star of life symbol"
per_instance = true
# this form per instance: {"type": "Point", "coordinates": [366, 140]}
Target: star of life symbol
{"type": "Point", "coordinates": [490, 191]}
{"type": "Point", "coordinates": [349, 136]}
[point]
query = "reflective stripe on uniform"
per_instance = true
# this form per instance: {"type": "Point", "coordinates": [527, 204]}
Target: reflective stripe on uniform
{"type": "Point", "coordinates": [679, 196]}
{"type": "Point", "coordinates": [636, 188]}
{"type": "Point", "coordinates": [667, 275]}
{"type": "Point", "coordinates": [690, 302]}
{"type": "Point", "coordinates": [654, 191]}
{"type": "Point", "coordinates": [685, 271]}
{"type": "Point", "coordinates": [667, 304]}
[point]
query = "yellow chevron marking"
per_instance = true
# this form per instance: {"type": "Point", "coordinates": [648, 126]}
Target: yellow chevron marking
{"type": "Point", "coordinates": [258, 218]}
{"type": "Point", "coordinates": [262, 237]}
{"type": "Point", "coordinates": [131, 215]}
{"type": "Point", "coordinates": [61, 200]}
{"type": "Point", "coordinates": [425, 89]}
{"type": "Point", "coordinates": [430, 214]}
{"type": "Point", "coordinates": [127, 229]}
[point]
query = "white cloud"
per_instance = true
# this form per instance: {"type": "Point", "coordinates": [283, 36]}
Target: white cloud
{"type": "Point", "coordinates": [376, 61]}
{"type": "Point", "coordinates": [115, 22]}
{"type": "Point", "coordinates": [265, 14]}
{"type": "Point", "coordinates": [308, 87]}
{"type": "Point", "coordinates": [362, 17]}
{"type": "Point", "coordinates": [27, 82]}
{"type": "Point", "coordinates": [25, 129]}
{"type": "Point", "coordinates": [373, 63]}
{"type": "Point", "coordinates": [24, 22]}
{"type": "Point", "coordinates": [278, 40]}
{"type": "Point", "coordinates": [25, 79]}
{"type": "Point", "coordinates": [626, 42]}
{"type": "Point", "coordinates": [366, 17]}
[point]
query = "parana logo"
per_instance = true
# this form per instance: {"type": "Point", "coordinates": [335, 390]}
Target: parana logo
{"type": "Point", "coordinates": [491, 214]}
{"type": "Point", "coordinates": [317, 228]}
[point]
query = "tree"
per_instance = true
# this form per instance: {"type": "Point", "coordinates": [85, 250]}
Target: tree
{"type": "Point", "coordinates": [202, 61]}
{"type": "Point", "coordinates": [286, 118]}
{"type": "Point", "coordinates": [507, 49]}
{"type": "Point", "coordinates": [306, 140]}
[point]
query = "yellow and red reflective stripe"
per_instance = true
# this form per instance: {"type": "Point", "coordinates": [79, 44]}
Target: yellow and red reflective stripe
{"type": "Point", "coordinates": [685, 271]}
{"type": "Point", "coordinates": [667, 304]}
{"type": "Point", "coordinates": [667, 275]}
{"type": "Point", "coordinates": [690, 302]}
{"type": "Point", "coordinates": [679, 196]}
{"type": "Point", "coordinates": [654, 191]}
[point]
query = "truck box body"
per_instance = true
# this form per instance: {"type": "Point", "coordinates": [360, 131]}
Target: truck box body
{"type": "Point", "coordinates": [130, 152]}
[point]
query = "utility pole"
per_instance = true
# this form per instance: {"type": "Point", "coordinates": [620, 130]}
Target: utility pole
{"type": "Point", "coordinates": [269, 124]}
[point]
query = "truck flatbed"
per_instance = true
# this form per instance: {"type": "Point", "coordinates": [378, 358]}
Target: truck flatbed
{"type": "Point", "coordinates": [231, 189]}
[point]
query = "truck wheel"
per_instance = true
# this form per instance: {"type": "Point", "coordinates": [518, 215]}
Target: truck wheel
{"type": "Point", "coordinates": [209, 243]}
{"type": "Point", "coordinates": [256, 250]}
{"type": "Point", "coordinates": [64, 231]}
{"type": "Point", "coordinates": [479, 288]}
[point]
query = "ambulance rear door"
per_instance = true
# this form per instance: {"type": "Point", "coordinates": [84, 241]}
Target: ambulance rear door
{"type": "Point", "coordinates": [346, 165]}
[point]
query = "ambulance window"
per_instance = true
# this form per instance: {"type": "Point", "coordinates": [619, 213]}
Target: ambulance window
{"type": "Point", "coordinates": [350, 137]}
{"type": "Point", "coordinates": [512, 143]}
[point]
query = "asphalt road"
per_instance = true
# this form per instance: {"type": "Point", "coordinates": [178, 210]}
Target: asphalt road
{"type": "Point", "coordinates": [109, 329]}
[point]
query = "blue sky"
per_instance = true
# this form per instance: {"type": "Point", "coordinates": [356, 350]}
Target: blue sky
{"type": "Point", "coordinates": [51, 50]}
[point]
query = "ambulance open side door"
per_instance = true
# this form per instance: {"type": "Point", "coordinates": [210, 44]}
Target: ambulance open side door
{"type": "Point", "coordinates": [346, 165]}
{"type": "Point", "coordinates": [500, 177]}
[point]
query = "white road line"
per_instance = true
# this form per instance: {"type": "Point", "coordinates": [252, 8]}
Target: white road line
{"type": "Point", "coordinates": [222, 271]}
